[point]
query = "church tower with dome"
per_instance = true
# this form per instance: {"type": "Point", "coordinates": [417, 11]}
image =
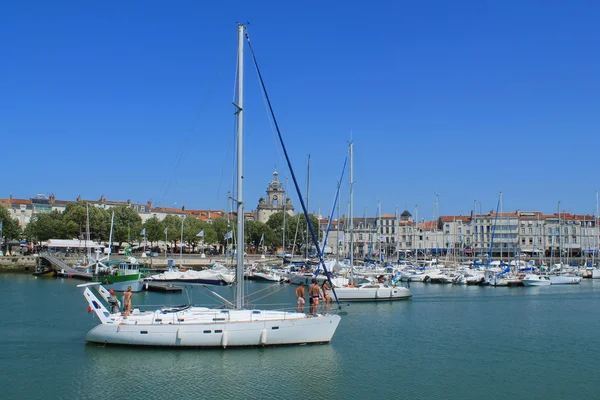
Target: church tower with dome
{"type": "Point", "coordinates": [275, 201]}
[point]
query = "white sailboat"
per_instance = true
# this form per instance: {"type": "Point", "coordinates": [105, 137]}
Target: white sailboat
{"type": "Point", "coordinates": [378, 291]}
{"type": "Point", "coordinates": [192, 326]}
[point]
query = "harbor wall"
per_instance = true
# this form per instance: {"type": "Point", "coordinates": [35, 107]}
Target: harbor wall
{"type": "Point", "coordinates": [17, 264]}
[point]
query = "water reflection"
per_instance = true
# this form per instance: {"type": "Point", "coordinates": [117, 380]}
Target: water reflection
{"type": "Point", "coordinates": [215, 373]}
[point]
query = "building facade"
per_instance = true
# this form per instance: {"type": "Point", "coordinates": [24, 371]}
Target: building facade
{"type": "Point", "coordinates": [275, 201]}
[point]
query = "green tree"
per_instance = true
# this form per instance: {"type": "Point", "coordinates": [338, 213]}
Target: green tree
{"type": "Point", "coordinates": [77, 212]}
{"type": "Point", "coordinates": [10, 226]}
{"type": "Point", "coordinates": [154, 230]}
{"type": "Point", "coordinates": [173, 225]}
{"type": "Point", "coordinates": [191, 228]}
{"type": "Point", "coordinates": [221, 226]}
{"type": "Point", "coordinates": [49, 226]}
{"type": "Point", "coordinates": [254, 231]}
{"type": "Point", "coordinates": [295, 230]}
{"type": "Point", "coordinates": [127, 226]}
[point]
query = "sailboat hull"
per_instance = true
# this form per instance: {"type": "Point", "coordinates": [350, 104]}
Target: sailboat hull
{"type": "Point", "coordinates": [275, 332]}
{"type": "Point", "coordinates": [372, 293]}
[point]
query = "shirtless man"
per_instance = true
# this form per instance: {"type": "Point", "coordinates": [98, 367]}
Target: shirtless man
{"type": "Point", "coordinates": [315, 294]}
{"type": "Point", "coordinates": [300, 296]}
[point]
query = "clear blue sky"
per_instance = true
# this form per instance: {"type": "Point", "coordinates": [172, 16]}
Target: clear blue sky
{"type": "Point", "coordinates": [132, 100]}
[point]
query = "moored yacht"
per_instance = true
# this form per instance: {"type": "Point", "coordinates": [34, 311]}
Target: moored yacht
{"type": "Point", "coordinates": [536, 280]}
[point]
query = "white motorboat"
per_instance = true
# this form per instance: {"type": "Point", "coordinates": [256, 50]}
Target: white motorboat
{"type": "Point", "coordinates": [208, 276]}
{"type": "Point", "coordinates": [536, 280]}
{"type": "Point", "coordinates": [192, 326]}
{"type": "Point", "coordinates": [372, 292]}
{"type": "Point", "coordinates": [565, 279]}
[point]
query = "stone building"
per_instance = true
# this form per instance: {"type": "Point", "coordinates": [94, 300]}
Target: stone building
{"type": "Point", "coordinates": [275, 201]}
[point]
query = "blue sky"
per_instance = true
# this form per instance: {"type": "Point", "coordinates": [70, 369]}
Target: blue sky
{"type": "Point", "coordinates": [132, 100]}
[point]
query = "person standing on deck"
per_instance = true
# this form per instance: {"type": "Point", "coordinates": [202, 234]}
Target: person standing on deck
{"type": "Point", "coordinates": [326, 298]}
{"type": "Point", "coordinates": [315, 294]}
{"type": "Point", "coordinates": [127, 302]}
{"type": "Point", "coordinates": [300, 296]}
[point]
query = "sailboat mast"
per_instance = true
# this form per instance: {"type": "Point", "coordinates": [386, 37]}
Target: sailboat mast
{"type": "Point", "coordinates": [595, 253]}
{"type": "Point", "coordinates": [112, 223]}
{"type": "Point", "coordinates": [307, 206]}
{"type": "Point", "coordinates": [87, 229]}
{"type": "Point", "coordinates": [240, 204]}
{"type": "Point", "coordinates": [351, 213]}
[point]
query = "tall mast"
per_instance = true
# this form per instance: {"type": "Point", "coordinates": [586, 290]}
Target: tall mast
{"type": "Point", "coordinates": [595, 254]}
{"type": "Point", "coordinates": [283, 228]}
{"type": "Point", "coordinates": [416, 228]}
{"type": "Point", "coordinates": [379, 235]}
{"type": "Point", "coordinates": [87, 230]}
{"type": "Point", "coordinates": [501, 234]}
{"type": "Point", "coordinates": [307, 206]}
{"type": "Point", "coordinates": [351, 213]}
{"type": "Point", "coordinates": [337, 246]}
{"type": "Point", "coordinates": [559, 236]}
{"type": "Point", "coordinates": [240, 204]}
{"type": "Point", "coordinates": [112, 222]}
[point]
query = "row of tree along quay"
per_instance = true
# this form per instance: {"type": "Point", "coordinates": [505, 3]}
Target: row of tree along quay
{"type": "Point", "coordinates": [128, 229]}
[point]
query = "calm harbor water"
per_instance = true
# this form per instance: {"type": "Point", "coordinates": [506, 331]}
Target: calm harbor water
{"type": "Point", "coordinates": [448, 342]}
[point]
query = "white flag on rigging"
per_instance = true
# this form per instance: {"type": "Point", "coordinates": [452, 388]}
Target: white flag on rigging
{"type": "Point", "coordinates": [143, 232]}
{"type": "Point", "coordinates": [201, 233]}
{"type": "Point", "coordinates": [382, 239]}
{"type": "Point", "coordinates": [341, 238]}
{"type": "Point", "coordinates": [229, 235]}
{"type": "Point", "coordinates": [262, 239]}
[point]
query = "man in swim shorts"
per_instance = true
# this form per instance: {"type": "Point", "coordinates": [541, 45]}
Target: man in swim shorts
{"type": "Point", "coordinates": [300, 296]}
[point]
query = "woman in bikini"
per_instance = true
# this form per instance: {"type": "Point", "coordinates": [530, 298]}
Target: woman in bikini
{"type": "Point", "coordinates": [127, 302]}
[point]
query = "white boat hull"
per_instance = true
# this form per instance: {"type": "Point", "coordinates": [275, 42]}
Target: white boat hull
{"type": "Point", "coordinates": [366, 293]}
{"type": "Point", "coordinates": [565, 280]}
{"type": "Point", "coordinates": [319, 329]}
{"type": "Point", "coordinates": [536, 280]}
{"type": "Point", "coordinates": [136, 286]}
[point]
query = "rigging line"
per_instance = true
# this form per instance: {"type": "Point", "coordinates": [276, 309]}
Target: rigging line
{"type": "Point", "coordinates": [185, 144]}
{"type": "Point", "coordinates": [281, 287]}
{"type": "Point", "coordinates": [337, 193]}
{"type": "Point", "coordinates": [273, 131]}
{"type": "Point", "coordinates": [308, 222]}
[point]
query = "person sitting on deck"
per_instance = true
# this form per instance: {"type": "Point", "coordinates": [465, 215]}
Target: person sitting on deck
{"type": "Point", "coordinates": [114, 302]}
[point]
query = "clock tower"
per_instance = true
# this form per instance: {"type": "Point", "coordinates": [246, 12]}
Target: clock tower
{"type": "Point", "coordinates": [275, 201]}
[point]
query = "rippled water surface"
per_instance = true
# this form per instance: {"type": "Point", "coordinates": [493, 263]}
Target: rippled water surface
{"type": "Point", "coordinates": [448, 342]}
